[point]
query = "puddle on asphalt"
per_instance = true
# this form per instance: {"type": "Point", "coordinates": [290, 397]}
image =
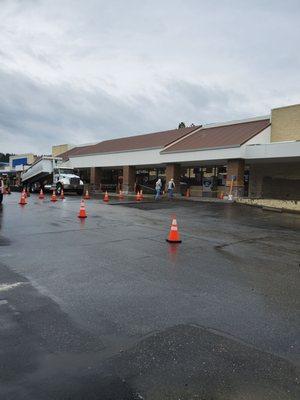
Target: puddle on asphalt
{"type": "Point", "coordinates": [4, 241]}
{"type": "Point", "coordinates": [82, 222]}
{"type": "Point", "coordinates": [173, 251]}
{"type": "Point", "coordinates": [90, 387]}
{"type": "Point", "coordinates": [148, 206]}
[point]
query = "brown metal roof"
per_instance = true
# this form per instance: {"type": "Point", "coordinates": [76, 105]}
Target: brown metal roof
{"type": "Point", "coordinates": [220, 136]}
{"type": "Point", "coordinates": [139, 142]}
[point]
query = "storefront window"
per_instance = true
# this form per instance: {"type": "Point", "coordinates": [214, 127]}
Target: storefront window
{"type": "Point", "coordinates": [198, 176]}
{"type": "Point", "coordinates": [221, 175]}
{"type": "Point", "coordinates": [191, 176]}
{"type": "Point", "coordinates": [111, 176]}
{"type": "Point", "coordinates": [85, 174]}
{"type": "Point", "coordinates": [148, 176]}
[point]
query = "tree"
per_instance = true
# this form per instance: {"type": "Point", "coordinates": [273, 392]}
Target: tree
{"type": "Point", "coordinates": [181, 125]}
{"type": "Point", "coordinates": [4, 157]}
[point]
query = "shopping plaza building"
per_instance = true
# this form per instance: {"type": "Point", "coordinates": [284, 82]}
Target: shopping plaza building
{"type": "Point", "coordinates": [257, 158]}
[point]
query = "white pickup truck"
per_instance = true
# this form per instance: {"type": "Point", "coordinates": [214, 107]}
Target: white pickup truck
{"type": "Point", "coordinates": [49, 173]}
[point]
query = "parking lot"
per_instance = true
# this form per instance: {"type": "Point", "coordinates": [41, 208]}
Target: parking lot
{"type": "Point", "coordinates": [105, 308]}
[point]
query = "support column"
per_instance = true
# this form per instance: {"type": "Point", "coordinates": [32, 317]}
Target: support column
{"type": "Point", "coordinates": [256, 180]}
{"type": "Point", "coordinates": [173, 171]}
{"type": "Point", "coordinates": [128, 178]}
{"type": "Point", "coordinates": [96, 174]}
{"type": "Point", "coordinates": [235, 171]}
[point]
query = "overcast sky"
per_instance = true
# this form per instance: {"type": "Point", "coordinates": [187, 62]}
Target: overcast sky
{"type": "Point", "coordinates": [74, 71]}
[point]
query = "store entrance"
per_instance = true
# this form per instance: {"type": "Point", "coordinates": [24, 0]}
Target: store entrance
{"type": "Point", "coordinates": [203, 181]}
{"type": "Point", "coordinates": [111, 180]}
{"type": "Point", "coordinates": [147, 177]}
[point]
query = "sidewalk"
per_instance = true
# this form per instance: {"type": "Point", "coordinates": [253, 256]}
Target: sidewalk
{"type": "Point", "coordinates": [272, 204]}
{"type": "Point", "coordinates": [177, 197]}
{"type": "Point", "coordinates": [205, 199]}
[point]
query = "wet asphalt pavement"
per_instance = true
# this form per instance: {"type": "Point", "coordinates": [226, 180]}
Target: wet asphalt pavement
{"type": "Point", "coordinates": [105, 309]}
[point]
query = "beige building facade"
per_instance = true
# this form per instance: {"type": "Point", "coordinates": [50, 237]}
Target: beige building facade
{"type": "Point", "coordinates": [61, 148]}
{"type": "Point", "coordinates": [285, 123]}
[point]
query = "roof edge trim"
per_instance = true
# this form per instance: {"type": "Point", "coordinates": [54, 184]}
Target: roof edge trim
{"type": "Point", "coordinates": [163, 152]}
{"type": "Point", "coordinates": [198, 128]}
{"type": "Point", "coordinates": [236, 122]}
{"type": "Point", "coordinates": [116, 152]}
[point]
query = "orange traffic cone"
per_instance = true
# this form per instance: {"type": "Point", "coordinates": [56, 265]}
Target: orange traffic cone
{"type": "Point", "coordinates": [188, 193]}
{"type": "Point", "coordinates": [86, 196]}
{"type": "Point", "coordinates": [106, 198]}
{"type": "Point", "coordinates": [141, 195]}
{"type": "Point", "coordinates": [82, 213]}
{"type": "Point", "coordinates": [41, 195]}
{"type": "Point", "coordinates": [24, 193]}
{"type": "Point", "coordinates": [53, 197]}
{"type": "Point", "coordinates": [62, 195]}
{"type": "Point", "coordinates": [174, 236]}
{"type": "Point", "coordinates": [121, 195]}
{"type": "Point", "coordinates": [138, 196]}
{"type": "Point", "coordinates": [23, 200]}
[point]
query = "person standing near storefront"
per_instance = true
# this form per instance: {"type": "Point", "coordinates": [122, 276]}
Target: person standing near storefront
{"type": "Point", "coordinates": [171, 187]}
{"type": "Point", "coordinates": [1, 190]}
{"type": "Point", "coordinates": [158, 187]}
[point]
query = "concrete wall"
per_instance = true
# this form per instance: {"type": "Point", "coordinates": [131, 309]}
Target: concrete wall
{"type": "Point", "coordinates": [273, 150]}
{"type": "Point", "coordinates": [275, 180]}
{"type": "Point", "coordinates": [285, 123]}
{"type": "Point", "coordinates": [263, 137]}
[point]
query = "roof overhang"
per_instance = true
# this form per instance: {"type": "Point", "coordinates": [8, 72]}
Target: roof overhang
{"type": "Point", "coordinates": [154, 157]}
{"type": "Point", "coordinates": [114, 152]}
